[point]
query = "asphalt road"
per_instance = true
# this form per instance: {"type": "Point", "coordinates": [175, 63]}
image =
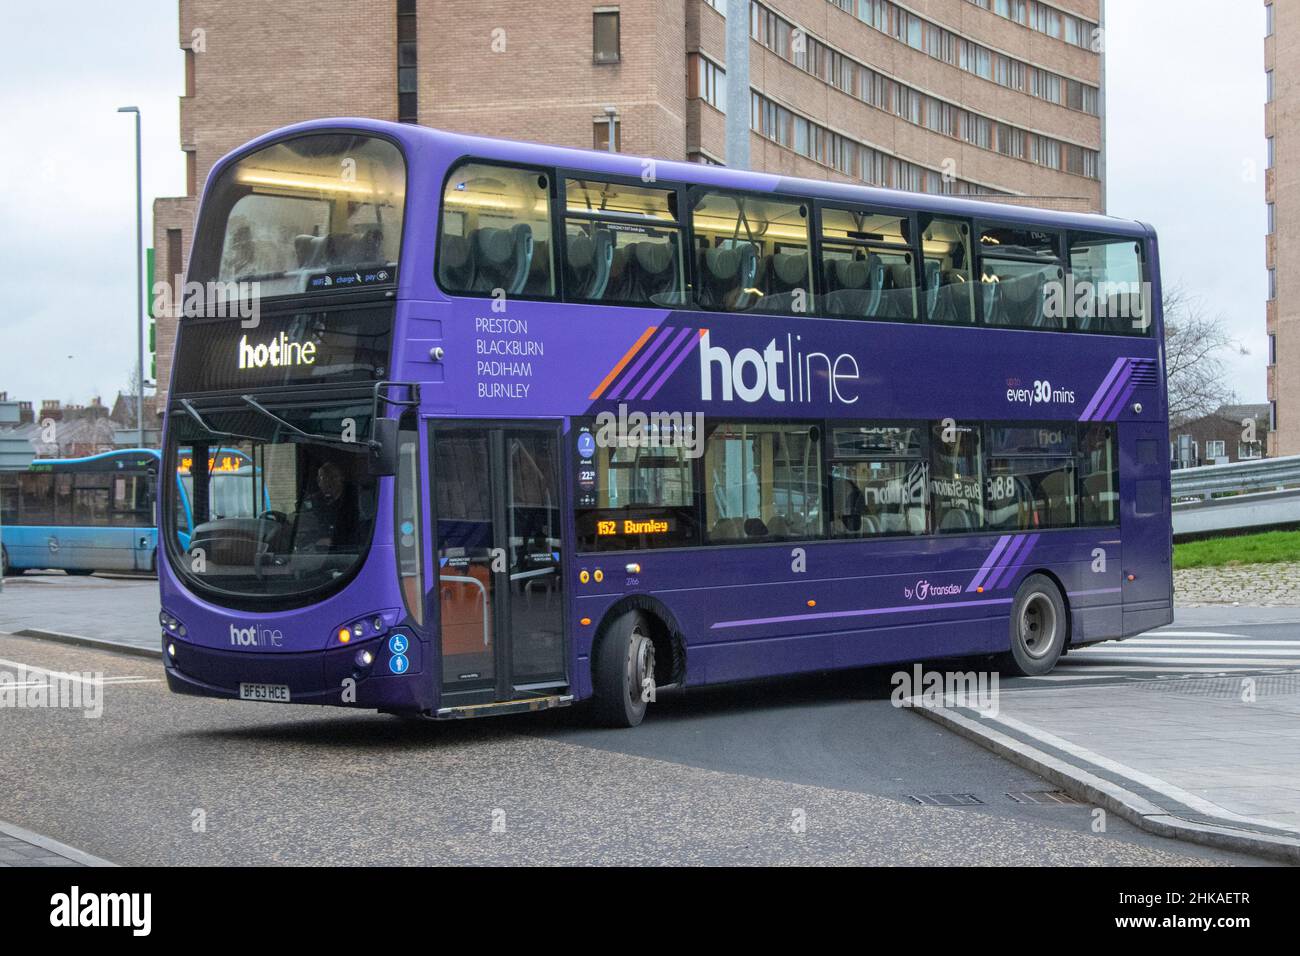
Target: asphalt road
{"type": "Point", "coordinates": [815, 770]}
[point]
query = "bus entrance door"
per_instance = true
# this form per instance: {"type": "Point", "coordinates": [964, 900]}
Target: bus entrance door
{"type": "Point", "coordinates": [496, 508]}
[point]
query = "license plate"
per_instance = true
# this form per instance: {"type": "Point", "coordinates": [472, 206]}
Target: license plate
{"type": "Point", "coordinates": [275, 693]}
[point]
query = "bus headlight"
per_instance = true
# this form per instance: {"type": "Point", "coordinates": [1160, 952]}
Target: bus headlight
{"type": "Point", "coordinates": [170, 624]}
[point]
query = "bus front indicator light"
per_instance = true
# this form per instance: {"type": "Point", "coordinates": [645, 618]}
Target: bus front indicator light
{"type": "Point", "coordinates": [599, 575]}
{"type": "Point", "coordinates": [345, 635]}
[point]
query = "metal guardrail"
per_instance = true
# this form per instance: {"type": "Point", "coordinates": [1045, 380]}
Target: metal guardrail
{"type": "Point", "coordinates": [1264, 474]}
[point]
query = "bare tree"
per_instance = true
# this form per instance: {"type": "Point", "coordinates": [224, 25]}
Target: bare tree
{"type": "Point", "coordinates": [1196, 349]}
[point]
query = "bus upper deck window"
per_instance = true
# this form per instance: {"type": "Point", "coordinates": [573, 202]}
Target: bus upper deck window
{"type": "Point", "coordinates": [496, 232]}
{"type": "Point", "coordinates": [622, 244]}
{"type": "Point", "coordinates": [1110, 294]}
{"type": "Point", "coordinates": [287, 218]}
{"type": "Point", "coordinates": [1018, 269]}
{"type": "Point", "coordinates": [752, 254]}
{"type": "Point", "coordinates": [868, 265]}
{"type": "Point", "coordinates": [947, 293]}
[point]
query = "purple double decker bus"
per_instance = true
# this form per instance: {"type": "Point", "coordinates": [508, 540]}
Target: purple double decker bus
{"type": "Point", "coordinates": [529, 425]}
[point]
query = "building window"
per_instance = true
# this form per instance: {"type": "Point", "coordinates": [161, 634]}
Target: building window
{"type": "Point", "coordinates": [1215, 449]}
{"type": "Point", "coordinates": [1270, 152]}
{"type": "Point", "coordinates": [1268, 20]}
{"type": "Point", "coordinates": [1268, 96]}
{"type": "Point", "coordinates": [604, 36]}
{"type": "Point", "coordinates": [1272, 283]}
{"type": "Point", "coordinates": [1249, 449]}
{"type": "Point", "coordinates": [407, 76]}
{"type": "Point", "coordinates": [1272, 416]}
{"type": "Point", "coordinates": [175, 255]}
{"type": "Point", "coordinates": [1272, 349]}
{"type": "Point", "coordinates": [600, 134]}
{"type": "Point", "coordinates": [707, 81]}
{"type": "Point", "coordinates": [1272, 209]}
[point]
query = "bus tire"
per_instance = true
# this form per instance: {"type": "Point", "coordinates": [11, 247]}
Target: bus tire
{"type": "Point", "coordinates": [624, 659]}
{"type": "Point", "coordinates": [78, 572]}
{"type": "Point", "coordinates": [5, 570]}
{"type": "Point", "coordinates": [1038, 628]}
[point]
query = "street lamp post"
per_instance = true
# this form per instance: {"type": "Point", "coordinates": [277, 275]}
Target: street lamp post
{"type": "Point", "coordinates": [139, 279]}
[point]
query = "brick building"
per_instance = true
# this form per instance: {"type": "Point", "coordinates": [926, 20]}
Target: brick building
{"type": "Point", "coordinates": [1221, 437]}
{"type": "Point", "coordinates": [1002, 98]}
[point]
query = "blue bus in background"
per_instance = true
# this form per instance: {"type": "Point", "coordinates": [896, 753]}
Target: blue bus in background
{"type": "Point", "coordinates": [82, 515]}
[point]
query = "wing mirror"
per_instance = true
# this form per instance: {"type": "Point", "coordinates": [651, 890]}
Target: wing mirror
{"type": "Point", "coordinates": [383, 447]}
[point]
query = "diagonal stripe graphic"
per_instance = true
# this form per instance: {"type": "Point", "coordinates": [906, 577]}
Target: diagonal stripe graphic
{"type": "Point", "coordinates": [988, 563]}
{"type": "Point", "coordinates": [1101, 391]}
{"type": "Point", "coordinates": [613, 373]}
{"type": "Point", "coordinates": [658, 363]}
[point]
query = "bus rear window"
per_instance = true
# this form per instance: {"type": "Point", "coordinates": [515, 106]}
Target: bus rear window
{"type": "Point", "coordinates": [311, 214]}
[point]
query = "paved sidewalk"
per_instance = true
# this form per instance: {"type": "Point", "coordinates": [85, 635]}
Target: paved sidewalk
{"type": "Point", "coordinates": [122, 610]}
{"type": "Point", "coordinates": [19, 847]}
{"type": "Point", "coordinates": [1212, 759]}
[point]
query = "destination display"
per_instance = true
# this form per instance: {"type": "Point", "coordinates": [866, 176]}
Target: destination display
{"type": "Point", "coordinates": [323, 346]}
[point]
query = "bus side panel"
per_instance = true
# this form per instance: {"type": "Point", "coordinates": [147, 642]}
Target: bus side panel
{"type": "Point", "coordinates": [758, 617]}
{"type": "Point", "coordinates": [1145, 521]}
{"type": "Point", "coordinates": [28, 547]}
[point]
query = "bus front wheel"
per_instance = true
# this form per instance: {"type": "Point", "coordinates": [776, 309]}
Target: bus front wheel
{"type": "Point", "coordinates": [1038, 628]}
{"type": "Point", "coordinates": [623, 672]}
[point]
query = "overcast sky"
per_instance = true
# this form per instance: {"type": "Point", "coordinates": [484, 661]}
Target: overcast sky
{"type": "Point", "coordinates": [1186, 135]}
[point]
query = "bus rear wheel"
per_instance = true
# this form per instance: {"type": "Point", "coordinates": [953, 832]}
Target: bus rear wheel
{"type": "Point", "coordinates": [5, 569]}
{"type": "Point", "coordinates": [624, 667]}
{"type": "Point", "coordinates": [1038, 628]}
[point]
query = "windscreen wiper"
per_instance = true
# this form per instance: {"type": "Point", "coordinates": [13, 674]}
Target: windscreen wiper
{"type": "Point", "coordinates": [325, 439]}
{"type": "Point", "coordinates": [194, 414]}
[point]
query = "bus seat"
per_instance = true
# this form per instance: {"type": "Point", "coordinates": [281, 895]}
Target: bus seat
{"type": "Point", "coordinates": [503, 258]}
{"type": "Point", "coordinates": [538, 281]}
{"type": "Point", "coordinates": [1058, 495]}
{"type": "Point", "coordinates": [785, 273]}
{"type": "Point", "coordinates": [652, 270]}
{"type": "Point", "coordinates": [847, 280]}
{"type": "Point", "coordinates": [726, 529]}
{"type": "Point", "coordinates": [933, 269]}
{"type": "Point", "coordinates": [587, 264]}
{"type": "Point", "coordinates": [899, 288]}
{"type": "Point", "coordinates": [755, 528]}
{"type": "Point", "coordinates": [457, 261]}
{"type": "Point", "coordinates": [875, 283]}
{"type": "Point", "coordinates": [725, 274]}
